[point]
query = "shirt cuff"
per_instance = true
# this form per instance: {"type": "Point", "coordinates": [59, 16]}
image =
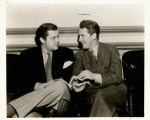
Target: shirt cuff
{"type": "Point", "coordinates": [98, 78]}
{"type": "Point", "coordinates": [37, 85]}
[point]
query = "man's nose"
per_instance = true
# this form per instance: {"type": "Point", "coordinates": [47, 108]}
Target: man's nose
{"type": "Point", "coordinates": [57, 40]}
{"type": "Point", "coordinates": [80, 39]}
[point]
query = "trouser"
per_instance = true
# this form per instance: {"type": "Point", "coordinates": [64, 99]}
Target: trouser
{"type": "Point", "coordinates": [48, 97]}
{"type": "Point", "coordinates": [94, 101]}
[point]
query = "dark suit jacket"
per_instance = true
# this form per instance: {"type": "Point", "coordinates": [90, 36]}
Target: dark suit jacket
{"type": "Point", "coordinates": [32, 66]}
{"type": "Point", "coordinates": [108, 64]}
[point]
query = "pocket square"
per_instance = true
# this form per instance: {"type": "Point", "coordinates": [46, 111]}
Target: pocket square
{"type": "Point", "coordinates": [67, 64]}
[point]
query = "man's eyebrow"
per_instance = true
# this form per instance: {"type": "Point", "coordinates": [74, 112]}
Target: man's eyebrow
{"type": "Point", "coordinates": [55, 36]}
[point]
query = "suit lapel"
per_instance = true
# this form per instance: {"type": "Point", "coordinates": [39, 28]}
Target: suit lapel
{"type": "Point", "coordinates": [56, 63]}
{"type": "Point", "coordinates": [101, 58]}
{"type": "Point", "coordinates": [40, 58]}
{"type": "Point", "coordinates": [55, 57]}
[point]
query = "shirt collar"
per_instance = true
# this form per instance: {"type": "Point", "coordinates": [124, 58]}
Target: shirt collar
{"type": "Point", "coordinates": [95, 48]}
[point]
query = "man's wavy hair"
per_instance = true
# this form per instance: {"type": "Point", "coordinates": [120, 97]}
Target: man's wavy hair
{"type": "Point", "coordinates": [42, 32]}
{"type": "Point", "coordinates": [91, 26]}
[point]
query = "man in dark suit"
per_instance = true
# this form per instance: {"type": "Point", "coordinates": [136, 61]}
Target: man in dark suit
{"type": "Point", "coordinates": [97, 75]}
{"type": "Point", "coordinates": [44, 70]}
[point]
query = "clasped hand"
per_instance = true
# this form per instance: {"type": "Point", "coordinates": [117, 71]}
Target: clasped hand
{"type": "Point", "coordinates": [84, 75]}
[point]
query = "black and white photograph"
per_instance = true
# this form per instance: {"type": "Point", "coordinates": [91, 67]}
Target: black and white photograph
{"type": "Point", "coordinates": [74, 60]}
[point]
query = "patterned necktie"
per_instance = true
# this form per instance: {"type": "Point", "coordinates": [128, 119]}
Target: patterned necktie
{"type": "Point", "coordinates": [48, 67]}
{"type": "Point", "coordinates": [94, 56]}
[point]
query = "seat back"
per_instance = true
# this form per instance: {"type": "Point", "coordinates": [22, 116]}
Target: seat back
{"type": "Point", "coordinates": [12, 72]}
{"type": "Point", "coordinates": [133, 66]}
{"type": "Point", "coordinates": [133, 69]}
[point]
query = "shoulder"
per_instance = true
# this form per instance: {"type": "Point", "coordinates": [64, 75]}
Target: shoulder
{"type": "Point", "coordinates": [64, 52]}
{"type": "Point", "coordinates": [64, 49]}
{"type": "Point", "coordinates": [30, 51]}
{"type": "Point", "coordinates": [107, 47]}
{"type": "Point", "coordinates": [111, 50]}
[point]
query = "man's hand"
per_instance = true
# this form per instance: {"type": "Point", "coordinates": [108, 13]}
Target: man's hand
{"type": "Point", "coordinates": [86, 74]}
{"type": "Point", "coordinates": [78, 86]}
{"type": "Point", "coordinates": [73, 78]}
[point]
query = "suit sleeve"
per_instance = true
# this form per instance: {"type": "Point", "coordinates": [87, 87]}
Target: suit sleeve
{"type": "Point", "coordinates": [112, 75]}
{"type": "Point", "coordinates": [78, 63]}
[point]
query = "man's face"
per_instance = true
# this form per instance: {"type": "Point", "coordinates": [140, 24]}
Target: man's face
{"type": "Point", "coordinates": [52, 41]}
{"type": "Point", "coordinates": [85, 38]}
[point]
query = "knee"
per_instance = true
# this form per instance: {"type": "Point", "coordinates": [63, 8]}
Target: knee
{"type": "Point", "coordinates": [61, 87]}
{"type": "Point", "coordinates": [100, 94]}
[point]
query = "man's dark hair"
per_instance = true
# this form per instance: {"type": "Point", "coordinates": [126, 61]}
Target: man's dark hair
{"type": "Point", "coordinates": [91, 26]}
{"type": "Point", "coordinates": [42, 32]}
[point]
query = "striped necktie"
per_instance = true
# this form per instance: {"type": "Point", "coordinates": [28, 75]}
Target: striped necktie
{"type": "Point", "coordinates": [48, 67]}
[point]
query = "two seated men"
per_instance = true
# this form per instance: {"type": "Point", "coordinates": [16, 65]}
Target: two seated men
{"type": "Point", "coordinates": [52, 76]}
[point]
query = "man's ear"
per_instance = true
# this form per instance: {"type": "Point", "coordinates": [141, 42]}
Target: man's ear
{"type": "Point", "coordinates": [94, 36]}
{"type": "Point", "coordinates": [42, 40]}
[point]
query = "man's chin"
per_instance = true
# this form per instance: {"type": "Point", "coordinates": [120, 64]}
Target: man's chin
{"type": "Point", "coordinates": [55, 48]}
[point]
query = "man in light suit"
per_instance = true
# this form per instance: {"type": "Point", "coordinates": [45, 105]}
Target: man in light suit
{"type": "Point", "coordinates": [97, 75]}
{"type": "Point", "coordinates": [44, 70]}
